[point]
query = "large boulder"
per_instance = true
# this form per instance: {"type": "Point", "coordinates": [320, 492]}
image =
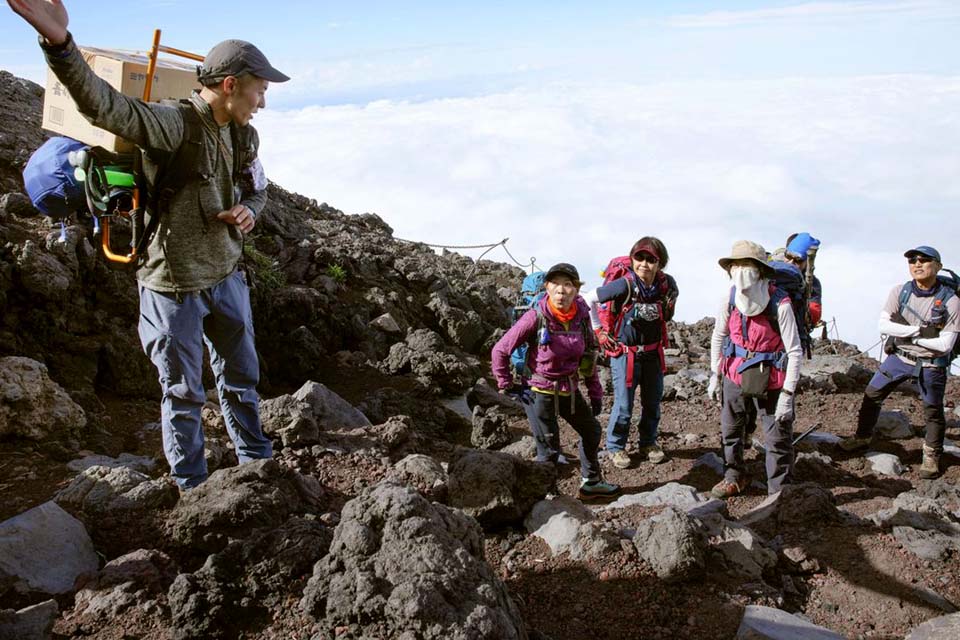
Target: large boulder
{"type": "Point", "coordinates": [671, 542]}
{"type": "Point", "coordinates": [834, 374]}
{"type": "Point", "coordinates": [235, 501]}
{"type": "Point", "coordinates": [490, 429]}
{"type": "Point", "coordinates": [111, 491]}
{"type": "Point", "coordinates": [44, 550]}
{"type": "Point", "coordinates": [128, 585]}
{"type": "Point", "coordinates": [795, 504]}
{"type": "Point", "coordinates": [497, 488]}
{"type": "Point", "coordinates": [32, 405]}
{"type": "Point", "coordinates": [402, 567]}
{"type": "Point", "coordinates": [425, 355]}
{"type": "Point", "coordinates": [246, 580]}
{"type": "Point", "coordinates": [29, 623]}
{"type": "Point", "coordinates": [423, 473]}
{"type": "Point", "coordinates": [298, 418]}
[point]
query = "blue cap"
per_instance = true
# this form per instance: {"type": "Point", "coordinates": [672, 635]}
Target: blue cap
{"type": "Point", "coordinates": [801, 243]}
{"type": "Point", "coordinates": [924, 250]}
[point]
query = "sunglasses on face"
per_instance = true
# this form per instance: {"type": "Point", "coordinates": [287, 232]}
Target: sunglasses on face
{"type": "Point", "coordinates": [920, 259]}
{"type": "Point", "coordinates": [645, 257]}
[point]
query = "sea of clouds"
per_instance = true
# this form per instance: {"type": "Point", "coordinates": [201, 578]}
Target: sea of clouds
{"type": "Point", "coordinates": [578, 171]}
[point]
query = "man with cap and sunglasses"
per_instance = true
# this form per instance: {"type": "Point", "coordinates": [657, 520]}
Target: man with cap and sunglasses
{"type": "Point", "coordinates": [921, 318]}
{"type": "Point", "coordinates": [191, 289]}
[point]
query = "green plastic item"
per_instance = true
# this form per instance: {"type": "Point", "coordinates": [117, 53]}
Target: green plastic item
{"type": "Point", "coordinates": [117, 178]}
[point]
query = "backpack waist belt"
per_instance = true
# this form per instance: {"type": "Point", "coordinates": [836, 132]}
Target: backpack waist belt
{"type": "Point", "coordinates": [939, 361]}
{"type": "Point", "coordinates": [631, 353]}
{"type": "Point", "coordinates": [777, 358]}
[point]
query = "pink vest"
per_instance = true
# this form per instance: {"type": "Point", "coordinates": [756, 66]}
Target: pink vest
{"type": "Point", "coordinates": [761, 337]}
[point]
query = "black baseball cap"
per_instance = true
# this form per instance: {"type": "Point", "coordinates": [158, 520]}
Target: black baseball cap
{"type": "Point", "coordinates": [566, 269]}
{"type": "Point", "coordinates": [235, 58]}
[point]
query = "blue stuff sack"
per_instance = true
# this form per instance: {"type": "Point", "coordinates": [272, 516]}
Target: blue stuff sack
{"type": "Point", "coordinates": [49, 181]}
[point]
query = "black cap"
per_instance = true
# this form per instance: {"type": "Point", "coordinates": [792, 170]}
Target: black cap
{"type": "Point", "coordinates": [564, 268]}
{"type": "Point", "coordinates": [235, 58]}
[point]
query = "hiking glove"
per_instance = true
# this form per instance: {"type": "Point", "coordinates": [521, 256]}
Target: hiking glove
{"type": "Point", "coordinates": [596, 406]}
{"type": "Point", "coordinates": [929, 332]}
{"type": "Point", "coordinates": [605, 341]}
{"type": "Point", "coordinates": [784, 412]}
{"type": "Point", "coordinates": [713, 389]}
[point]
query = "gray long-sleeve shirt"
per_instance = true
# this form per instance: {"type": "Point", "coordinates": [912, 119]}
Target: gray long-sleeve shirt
{"type": "Point", "coordinates": [192, 249]}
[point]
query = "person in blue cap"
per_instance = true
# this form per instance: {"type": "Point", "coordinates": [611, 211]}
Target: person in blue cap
{"type": "Point", "coordinates": [922, 319]}
{"type": "Point", "coordinates": [797, 252]}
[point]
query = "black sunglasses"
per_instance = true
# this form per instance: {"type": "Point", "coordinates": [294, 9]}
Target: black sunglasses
{"type": "Point", "coordinates": [645, 257]}
{"type": "Point", "coordinates": [920, 259]}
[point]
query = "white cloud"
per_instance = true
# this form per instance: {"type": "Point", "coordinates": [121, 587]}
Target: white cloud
{"type": "Point", "coordinates": [578, 172]}
{"type": "Point", "coordinates": [820, 12]}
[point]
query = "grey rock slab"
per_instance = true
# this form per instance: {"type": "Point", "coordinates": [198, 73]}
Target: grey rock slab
{"type": "Point", "coordinates": [30, 623]}
{"type": "Point", "coordinates": [767, 623]}
{"type": "Point", "coordinates": [711, 461]}
{"type": "Point", "coordinates": [142, 464]}
{"type": "Point", "coordinates": [45, 549]}
{"type": "Point", "coordinates": [926, 544]}
{"type": "Point", "coordinates": [941, 628]}
{"type": "Point", "coordinates": [885, 464]}
{"type": "Point", "coordinates": [672, 493]}
{"type": "Point", "coordinates": [744, 553]}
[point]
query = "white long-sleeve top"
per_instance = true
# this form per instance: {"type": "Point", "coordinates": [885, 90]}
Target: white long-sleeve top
{"type": "Point", "coordinates": [788, 333]}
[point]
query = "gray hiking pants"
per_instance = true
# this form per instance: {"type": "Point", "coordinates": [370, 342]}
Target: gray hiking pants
{"type": "Point", "coordinates": [778, 437]}
{"type": "Point", "coordinates": [173, 334]}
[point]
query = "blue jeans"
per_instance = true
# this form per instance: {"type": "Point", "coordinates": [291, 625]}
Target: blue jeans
{"type": "Point", "coordinates": [893, 371]}
{"type": "Point", "coordinates": [649, 377]}
{"type": "Point", "coordinates": [173, 334]}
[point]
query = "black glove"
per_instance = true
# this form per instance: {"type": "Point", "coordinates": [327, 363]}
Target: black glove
{"type": "Point", "coordinates": [929, 332]}
{"type": "Point", "coordinates": [596, 406]}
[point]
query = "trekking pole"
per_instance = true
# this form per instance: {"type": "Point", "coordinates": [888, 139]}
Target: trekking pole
{"type": "Point", "coordinates": [805, 433]}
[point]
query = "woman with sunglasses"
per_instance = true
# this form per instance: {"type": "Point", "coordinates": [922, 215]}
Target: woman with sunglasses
{"type": "Point", "coordinates": [633, 333]}
{"type": "Point", "coordinates": [562, 351]}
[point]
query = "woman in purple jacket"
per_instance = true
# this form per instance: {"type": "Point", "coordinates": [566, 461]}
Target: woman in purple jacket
{"type": "Point", "coordinates": [562, 349]}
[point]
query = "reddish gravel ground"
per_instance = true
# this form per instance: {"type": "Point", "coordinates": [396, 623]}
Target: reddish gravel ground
{"type": "Point", "coordinates": [862, 583]}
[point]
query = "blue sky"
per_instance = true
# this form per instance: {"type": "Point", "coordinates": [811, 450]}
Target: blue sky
{"type": "Point", "coordinates": [574, 128]}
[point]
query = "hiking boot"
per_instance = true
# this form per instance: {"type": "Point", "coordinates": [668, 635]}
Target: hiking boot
{"type": "Point", "coordinates": [620, 459]}
{"type": "Point", "coordinates": [653, 453]}
{"type": "Point", "coordinates": [727, 488]}
{"type": "Point", "coordinates": [854, 443]}
{"type": "Point", "coordinates": [930, 467]}
{"type": "Point", "coordinates": [598, 488]}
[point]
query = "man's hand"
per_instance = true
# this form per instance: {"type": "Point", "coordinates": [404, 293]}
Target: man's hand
{"type": "Point", "coordinates": [48, 17]}
{"type": "Point", "coordinates": [238, 215]}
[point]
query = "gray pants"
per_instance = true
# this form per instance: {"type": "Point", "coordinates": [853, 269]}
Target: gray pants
{"type": "Point", "coordinates": [542, 412]}
{"type": "Point", "coordinates": [778, 437]}
{"type": "Point", "coordinates": [173, 335]}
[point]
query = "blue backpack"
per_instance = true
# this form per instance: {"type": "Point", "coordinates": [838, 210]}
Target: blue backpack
{"type": "Point", "coordinates": [48, 178]}
{"type": "Point", "coordinates": [531, 292]}
{"type": "Point", "coordinates": [790, 280]}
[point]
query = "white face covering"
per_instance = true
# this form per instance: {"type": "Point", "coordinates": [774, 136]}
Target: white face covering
{"type": "Point", "coordinates": [753, 292]}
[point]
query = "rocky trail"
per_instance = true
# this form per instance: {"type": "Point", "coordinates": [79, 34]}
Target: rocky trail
{"type": "Point", "coordinates": [403, 500]}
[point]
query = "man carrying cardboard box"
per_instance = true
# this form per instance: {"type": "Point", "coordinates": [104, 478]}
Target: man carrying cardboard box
{"type": "Point", "coordinates": [191, 291]}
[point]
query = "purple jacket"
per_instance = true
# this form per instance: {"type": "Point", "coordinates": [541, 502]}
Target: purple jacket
{"type": "Point", "coordinates": [556, 362]}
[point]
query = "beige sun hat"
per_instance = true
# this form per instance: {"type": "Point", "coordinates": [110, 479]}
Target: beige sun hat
{"type": "Point", "coordinates": [746, 250]}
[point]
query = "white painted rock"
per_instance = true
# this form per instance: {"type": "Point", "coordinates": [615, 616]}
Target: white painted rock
{"type": "Point", "coordinates": [767, 623]}
{"type": "Point", "coordinates": [885, 464]}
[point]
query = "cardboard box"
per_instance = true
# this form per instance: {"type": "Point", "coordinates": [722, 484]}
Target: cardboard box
{"type": "Point", "coordinates": [126, 72]}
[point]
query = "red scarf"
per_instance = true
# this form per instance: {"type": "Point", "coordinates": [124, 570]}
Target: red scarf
{"type": "Point", "coordinates": [563, 316]}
